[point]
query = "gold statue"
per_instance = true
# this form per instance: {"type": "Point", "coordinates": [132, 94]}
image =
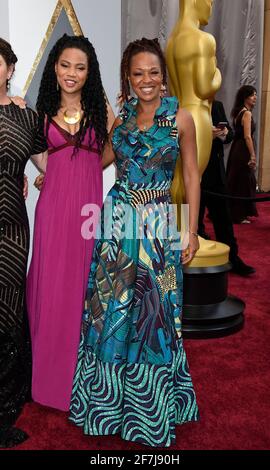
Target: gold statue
{"type": "Point", "coordinates": [194, 76]}
{"type": "Point", "coordinates": [194, 79]}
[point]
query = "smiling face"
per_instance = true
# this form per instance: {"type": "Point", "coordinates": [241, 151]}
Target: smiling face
{"type": "Point", "coordinates": [5, 74]}
{"type": "Point", "coordinates": [145, 76]}
{"type": "Point", "coordinates": [72, 70]}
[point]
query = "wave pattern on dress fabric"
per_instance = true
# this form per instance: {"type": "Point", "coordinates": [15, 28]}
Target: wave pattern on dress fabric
{"type": "Point", "coordinates": [143, 402]}
{"type": "Point", "coordinates": [132, 376]}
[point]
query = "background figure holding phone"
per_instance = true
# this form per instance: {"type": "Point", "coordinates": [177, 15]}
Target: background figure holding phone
{"type": "Point", "coordinates": [223, 127]}
{"type": "Point", "coordinates": [214, 180]}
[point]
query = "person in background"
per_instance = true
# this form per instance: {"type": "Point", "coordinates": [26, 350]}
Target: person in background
{"type": "Point", "coordinates": [214, 180]}
{"type": "Point", "coordinates": [20, 139]}
{"type": "Point", "coordinates": [242, 158]}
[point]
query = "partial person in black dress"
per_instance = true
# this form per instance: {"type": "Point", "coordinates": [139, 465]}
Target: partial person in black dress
{"type": "Point", "coordinates": [214, 181]}
{"type": "Point", "coordinates": [242, 158]}
{"type": "Point", "coordinates": [20, 139]}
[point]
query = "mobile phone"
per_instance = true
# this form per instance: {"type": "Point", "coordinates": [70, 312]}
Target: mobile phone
{"type": "Point", "coordinates": [222, 124]}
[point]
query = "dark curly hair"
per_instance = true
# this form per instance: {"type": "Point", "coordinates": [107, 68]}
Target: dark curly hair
{"type": "Point", "coordinates": [8, 55]}
{"type": "Point", "coordinates": [243, 93]}
{"type": "Point", "coordinates": [93, 100]}
{"type": "Point", "coordinates": [135, 47]}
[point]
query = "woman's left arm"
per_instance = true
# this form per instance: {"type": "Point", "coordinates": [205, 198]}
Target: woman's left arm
{"type": "Point", "coordinates": [188, 146]}
{"type": "Point", "coordinates": [246, 122]}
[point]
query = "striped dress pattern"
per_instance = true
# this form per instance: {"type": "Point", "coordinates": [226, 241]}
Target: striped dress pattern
{"type": "Point", "coordinates": [19, 139]}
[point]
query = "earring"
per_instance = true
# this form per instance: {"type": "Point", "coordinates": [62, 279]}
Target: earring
{"type": "Point", "coordinates": [130, 90]}
{"type": "Point", "coordinates": [57, 86]}
{"type": "Point", "coordinates": [163, 90]}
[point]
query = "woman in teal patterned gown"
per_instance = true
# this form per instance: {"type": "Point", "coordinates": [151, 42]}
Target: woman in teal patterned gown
{"type": "Point", "coordinates": [132, 375]}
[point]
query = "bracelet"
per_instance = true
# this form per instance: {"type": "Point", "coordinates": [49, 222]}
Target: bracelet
{"type": "Point", "coordinates": [194, 233]}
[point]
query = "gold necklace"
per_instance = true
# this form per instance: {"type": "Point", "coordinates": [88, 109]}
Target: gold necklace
{"type": "Point", "coordinates": [73, 118]}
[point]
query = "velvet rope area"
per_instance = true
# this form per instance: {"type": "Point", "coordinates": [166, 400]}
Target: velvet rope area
{"type": "Point", "coordinates": [241, 198]}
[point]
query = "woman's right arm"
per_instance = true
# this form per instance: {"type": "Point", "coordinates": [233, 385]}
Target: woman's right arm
{"type": "Point", "coordinates": [40, 161]}
{"type": "Point", "coordinates": [108, 155]}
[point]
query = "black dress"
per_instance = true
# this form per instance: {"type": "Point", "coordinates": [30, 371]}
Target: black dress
{"type": "Point", "coordinates": [19, 139]}
{"type": "Point", "coordinates": [241, 178]}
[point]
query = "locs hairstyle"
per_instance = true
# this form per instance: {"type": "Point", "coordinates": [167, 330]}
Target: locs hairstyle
{"type": "Point", "coordinates": [243, 93]}
{"type": "Point", "coordinates": [135, 47]}
{"type": "Point", "coordinates": [8, 55]}
{"type": "Point", "coordinates": [93, 98]}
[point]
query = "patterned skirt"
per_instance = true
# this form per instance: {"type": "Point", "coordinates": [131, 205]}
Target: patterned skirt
{"type": "Point", "coordinates": [132, 375]}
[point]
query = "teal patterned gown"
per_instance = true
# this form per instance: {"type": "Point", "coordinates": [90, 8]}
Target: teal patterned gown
{"type": "Point", "coordinates": [132, 375]}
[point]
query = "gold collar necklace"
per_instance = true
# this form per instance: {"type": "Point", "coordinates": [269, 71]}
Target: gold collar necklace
{"type": "Point", "coordinates": [71, 115]}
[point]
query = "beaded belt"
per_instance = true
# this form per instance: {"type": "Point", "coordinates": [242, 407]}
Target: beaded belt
{"type": "Point", "coordinates": [145, 196]}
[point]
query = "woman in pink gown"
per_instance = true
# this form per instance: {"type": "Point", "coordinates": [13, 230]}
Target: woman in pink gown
{"type": "Point", "coordinates": [59, 268]}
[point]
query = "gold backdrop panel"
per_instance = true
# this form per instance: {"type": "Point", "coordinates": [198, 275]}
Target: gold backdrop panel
{"type": "Point", "coordinates": [76, 28]}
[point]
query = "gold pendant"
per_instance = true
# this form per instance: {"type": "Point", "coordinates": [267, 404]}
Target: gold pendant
{"type": "Point", "coordinates": [72, 119]}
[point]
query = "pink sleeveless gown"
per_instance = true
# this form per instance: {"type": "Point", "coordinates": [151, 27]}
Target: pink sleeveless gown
{"type": "Point", "coordinates": [58, 274]}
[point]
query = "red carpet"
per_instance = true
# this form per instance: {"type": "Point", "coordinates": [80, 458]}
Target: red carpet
{"type": "Point", "coordinates": [231, 375]}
